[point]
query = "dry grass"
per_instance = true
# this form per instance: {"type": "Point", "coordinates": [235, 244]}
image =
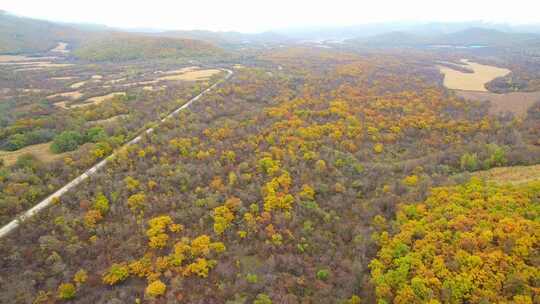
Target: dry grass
{"type": "Point", "coordinates": [70, 95]}
{"type": "Point", "coordinates": [98, 99]}
{"type": "Point", "coordinates": [179, 71]}
{"type": "Point", "coordinates": [192, 75]}
{"type": "Point", "coordinates": [106, 121]}
{"type": "Point", "coordinates": [515, 102]}
{"type": "Point", "coordinates": [77, 85]}
{"type": "Point", "coordinates": [476, 81]}
{"type": "Point", "coordinates": [514, 175]}
{"type": "Point", "coordinates": [40, 151]}
{"type": "Point", "coordinates": [97, 77]}
{"type": "Point", "coordinates": [64, 78]}
{"type": "Point", "coordinates": [113, 81]}
{"type": "Point", "coordinates": [19, 58]}
{"type": "Point", "coordinates": [61, 104]}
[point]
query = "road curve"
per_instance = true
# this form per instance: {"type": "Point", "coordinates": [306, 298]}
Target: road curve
{"type": "Point", "coordinates": [9, 227]}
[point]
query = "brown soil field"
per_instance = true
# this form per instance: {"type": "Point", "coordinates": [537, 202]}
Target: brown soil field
{"type": "Point", "coordinates": [457, 80]}
{"type": "Point", "coordinates": [40, 151]}
{"type": "Point", "coordinates": [515, 102]}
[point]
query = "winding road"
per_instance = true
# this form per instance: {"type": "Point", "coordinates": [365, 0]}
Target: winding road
{"type": "Point", "coordinates": [5, 230]}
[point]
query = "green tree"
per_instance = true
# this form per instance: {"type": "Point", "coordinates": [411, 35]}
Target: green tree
{"type": "Point", "coordinates": [67, 141]}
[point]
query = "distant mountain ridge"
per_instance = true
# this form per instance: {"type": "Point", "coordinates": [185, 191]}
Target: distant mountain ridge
{"type": "Point", "coordinates": [467, 37]}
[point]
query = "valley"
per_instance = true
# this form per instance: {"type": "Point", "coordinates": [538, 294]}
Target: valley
{"type": "Point", "coordinates": [209, 167]}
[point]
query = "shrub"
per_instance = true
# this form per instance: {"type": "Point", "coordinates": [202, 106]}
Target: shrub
{"type": "Point", "coordinates": [80, 277]}
{"type": "Point", "coordinates": [323, 274]}
{"type": "Point", "coordinates": [252, 278]}
{"type": "Point", "coordinates": [156, 289]}
{"type": "Point", "coordinates": [95, 134]}
{"type": "Point", "coordinates": [469, 162]}
{"type": "Point", "coordinates": [67, 141]}
{"type": "Point", "coordinates": [101, 203]}
{"type": "Point", "coordinates": [262, 299]}
{"type": "Point", "coordinates": [117, 273]}
{"type": "Point", "coordinates": [66, 291]}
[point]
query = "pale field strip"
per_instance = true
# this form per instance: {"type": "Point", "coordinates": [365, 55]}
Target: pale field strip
{"type": "Point", "coordinates": [77, 85]}
{"type": "Point", "coordinates": [69, 95]}
{"type": "Point", "coordinates": [191, 75]}
{"type": "Point", "coordinates": [98, 99]}
{"type": "Point", "coordinates": [513, 175]}
{"type": "Point", "coordinates": [64, 78]}
{"type": "Point", "coordinates": [475, 81]}
{"type": "Point", "coordinates": [21, 58]}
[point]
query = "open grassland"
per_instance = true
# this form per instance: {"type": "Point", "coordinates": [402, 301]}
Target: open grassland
{"type": "Point", "coordinates": [98, 99]}
{"type": "Point", "coordinates": [40, 151]}
{"type": "Point", "coordinates": [482, 74]}
{"type": "Point", "coordinates": [515, 102]}
{"type": "Point", "coordinates": [514, 174]}
{"type": "Point", "coordinates": [192, 75]}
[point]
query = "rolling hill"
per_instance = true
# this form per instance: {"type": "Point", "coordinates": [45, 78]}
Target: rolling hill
{"type": "Point", "coordinates": [93, 43]}
{"type": "Point", "coordinates": [26, 35]}
{"type": "Point", "coordinates": [121, 47]}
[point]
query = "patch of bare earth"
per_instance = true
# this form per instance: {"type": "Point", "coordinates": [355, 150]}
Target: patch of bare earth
{"type": "Point", "coordinates": [515, 102]}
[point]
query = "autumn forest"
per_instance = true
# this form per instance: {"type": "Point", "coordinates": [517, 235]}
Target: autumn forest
{"type": "Point", "coordinates": [295, 174]}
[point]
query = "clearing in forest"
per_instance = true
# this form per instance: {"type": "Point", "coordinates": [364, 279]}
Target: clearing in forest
{"type": "Point", "coordinates": [192, 75]}
{"type": "Point", "coordinates": [482, 74]}
{"type": "Point", "coordinates": [98, 99]}
{"type": "Point", "coordinates": [39, 151]}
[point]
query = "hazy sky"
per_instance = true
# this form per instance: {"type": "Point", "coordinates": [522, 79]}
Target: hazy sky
{"type": "Point", "coordinates": [253, 15]}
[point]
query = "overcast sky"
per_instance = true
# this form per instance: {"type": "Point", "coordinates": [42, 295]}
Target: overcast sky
{"type": "Point", "coordinates": [254, 16]}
